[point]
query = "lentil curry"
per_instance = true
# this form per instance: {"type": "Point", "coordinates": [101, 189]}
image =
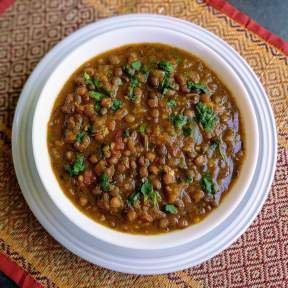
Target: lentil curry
{"type": "Point", "coordinates": [145, 139]}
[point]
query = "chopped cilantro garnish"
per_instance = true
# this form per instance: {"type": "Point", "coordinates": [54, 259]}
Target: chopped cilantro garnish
{"type": "Point", "coordinates": [97, 107]}
{"type": "Point", "coordinates": [179, 120]}
{"type": "Point", "coordinates": [133, 198]}
{"type": "Point", "coordinates": [104, 182]}
{"type": "Point", "coordinates": [133, 84]}
{"type": "Point", "coordinates": [189, 179]}
{"type": "Point", "coordinates": [146, 190]}
{"type": "Point", "coordinates": [97, 83]}
{"type": "Point", "coordinates": [217, 144]}
{"type": "Point", "coordinates": [80, 136]}
{"type": "Point", "coordinates": [155, 197]}
{"type": "Point", "coordinates": [88, 80]}
{"type": "Point", "coordinates": [145, 71]}
{"type": "Point", "coordinates": [165, 84]}
{"type": "Point", "coordinates": [207, 184]}
{"type": "Point", "coordinates": [197, 87]}
{"type": "Point", "coordinates": [166, 66]}
{"type": "Point", "coordinates": [142, 128]}
{"type": "Point", "coordinates": [77, 166]}
{"type": "Point", "coordinates": [116, 104]}
{"type": "Point", "coordinates": [187, 131]}
{"type": "Point", "coordinates": [136, 65]}
{"type": "Point", "coordinates": [126, 133]}
{"type": "Point", "coordinates": [171, 103]}
{"type": "Point", "coordinates": [128, 70]}
{"type": "Point", "coordinates": [96, 95]}
{"type": "Point", "coordinates": [205, 116]}
{"type": "Point", "coordinates": [170, 209]}
{"type": "Point", "coordinates": [222, 153]}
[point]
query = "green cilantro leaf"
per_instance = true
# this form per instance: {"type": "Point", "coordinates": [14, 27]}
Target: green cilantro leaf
{"type": "Point", "coordinates": [198, 87]}
{"type": "Point", "coordinates": [104, 182]}
{"type": "Point", "coordinates": [128, 70]}
{"type": "Point", "coordinates": [136, 65]}
{"type": "Point", "coordinates": [205, 116]}
{"type": "Point", "coordinates": [189, 179]}
{"type": "Point", "coordinates": [126, 133]}
{"type": "Point", "coordinates": [149, 194]}
{"type": "Point", "coordinates": [179, 120]}
{"type": "Point", "coordinates": [222, 153]}
{"type": "Point", "coordinates": [171, 103]}
{"type": "Point", "coordinates": [133, 198]}
{"type": "Point", "coordinates": [166, 66]}
{"type": "Point", "coordinates": [155, 197]}
{"type": "Point", "coordinates": [187, 131]}
{"type": "Point", "coordinates": [207, 184]}
{"type": "Point", "coordinates": [145, 71]}
{"type": "Point", "coordinates": [98, 96]}
{"type": "Point", "coordinates": [88, 80]}
{"type": "Point", "coordinates": [97, 107]}
{"type": "Point", "coordinates": [116, 104]}
{"type": "Point", "coordinates": [97, 83]}
{"type": "Point", "coordinates": [165, 84]}
{"type": "Point", "coordinates": [80, 136]}
{"type": "Point", "coordinates": [77, 167]}
{"type": "Point", "coordinates": [217, 144]}
{"type": "Point", "coordinates": [142, 128]}
{"type": "Point", "coordinates": [146, 190]}
{"type": "Point", "coordinates": [170, 209]}
{"type": "Point", "coordinates": [133, 84]}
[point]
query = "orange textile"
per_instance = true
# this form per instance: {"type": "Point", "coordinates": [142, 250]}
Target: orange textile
{"type": "Point", "coordinates": [28, 30]}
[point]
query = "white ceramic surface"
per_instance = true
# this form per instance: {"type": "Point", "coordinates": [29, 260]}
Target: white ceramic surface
{"type": "Point", "coordinates": [53, 217]}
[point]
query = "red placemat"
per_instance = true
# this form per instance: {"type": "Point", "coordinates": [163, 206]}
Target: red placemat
{"type": "Point", "coordinates": [4, 4]}
{"type": "Point", "coordinates": [249, 23]}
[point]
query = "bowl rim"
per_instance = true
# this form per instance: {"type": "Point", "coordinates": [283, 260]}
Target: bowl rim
{"type": "Point", "coordinates": [38, 159]}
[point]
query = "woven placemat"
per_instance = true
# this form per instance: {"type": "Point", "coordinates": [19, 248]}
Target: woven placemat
{"type": "Point", "coordinates": [29, 29]}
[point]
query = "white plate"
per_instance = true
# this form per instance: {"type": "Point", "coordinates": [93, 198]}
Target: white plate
{"type": "Point", "coordinates": [132, 260]}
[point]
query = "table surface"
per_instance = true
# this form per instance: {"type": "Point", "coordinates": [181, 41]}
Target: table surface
{"type": "Point", "coordinates": [270, 14]}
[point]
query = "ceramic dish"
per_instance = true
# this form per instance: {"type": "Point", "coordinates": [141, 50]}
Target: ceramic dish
{"type": "Point", "coordinates": [106, 42]}
{"type": "Point", "coordinates": [117, 250]}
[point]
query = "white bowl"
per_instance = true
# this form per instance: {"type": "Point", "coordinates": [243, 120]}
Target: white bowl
{"type": "Point", "coordinates": [107, 41]}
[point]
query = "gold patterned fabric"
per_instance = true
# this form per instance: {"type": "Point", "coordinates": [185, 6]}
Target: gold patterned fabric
{"type": "Point", "coordinates": [28, 30]}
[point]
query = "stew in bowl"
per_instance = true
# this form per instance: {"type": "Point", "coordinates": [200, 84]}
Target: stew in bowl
{"type": "Point", "coordinates": [145, 139]}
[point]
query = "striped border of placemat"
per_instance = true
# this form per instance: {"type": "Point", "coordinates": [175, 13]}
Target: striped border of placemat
{"type": "Point", "coordinates": [22, 277]}
{"type": "Point", "coordinates": [4, 4]}
{"type": "Point", "coordinates": [16, 273]}
{"type": "Point", "coordinates": [225, 7]}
